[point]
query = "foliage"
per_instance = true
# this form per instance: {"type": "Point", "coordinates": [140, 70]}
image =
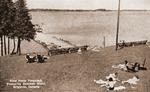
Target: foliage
{"type": "Point", "coordinates": [15, 22]}
{"type": "Point", "coordinates": [25, 28]}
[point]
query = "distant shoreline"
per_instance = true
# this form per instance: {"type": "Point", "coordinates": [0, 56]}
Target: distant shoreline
{"type": "Point", "coordinates": [80, 10]}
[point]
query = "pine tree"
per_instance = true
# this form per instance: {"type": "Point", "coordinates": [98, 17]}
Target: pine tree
{"type": "Point", "coordinates": [25, 28]}
{"type": "Point", "coordinates": [11, 25]}
{"type": "Point", "coordinates": [1, 24]}
{"type": "Point", "coordinates": [7, 17]}
{"type": "Point", "coordinates": [15, 22]}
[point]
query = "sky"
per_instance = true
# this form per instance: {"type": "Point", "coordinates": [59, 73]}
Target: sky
{"type": "Point", "coordinates": [88, 4]}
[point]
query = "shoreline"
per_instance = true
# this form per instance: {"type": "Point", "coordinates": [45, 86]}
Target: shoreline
{"type": "Point", "coordinates": [82, 10]}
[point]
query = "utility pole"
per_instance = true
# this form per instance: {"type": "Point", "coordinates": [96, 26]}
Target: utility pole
{"type": "Point", "coordinates": [118, 20]}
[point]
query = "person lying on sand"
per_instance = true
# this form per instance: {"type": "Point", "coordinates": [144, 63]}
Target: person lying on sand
{"type": "Point", "coordinates": [123, 66]}
{"type": "Point", "coordinates": [132, 81]}
{"type": "Point", "coordinates": [110, 82]}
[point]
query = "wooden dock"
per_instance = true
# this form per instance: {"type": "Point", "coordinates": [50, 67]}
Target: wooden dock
{"type": "Point", "coordinates": [65, 41]}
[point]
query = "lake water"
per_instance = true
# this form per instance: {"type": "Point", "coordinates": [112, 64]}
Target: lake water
{"type": "Point", "coordinates": [89, 28]}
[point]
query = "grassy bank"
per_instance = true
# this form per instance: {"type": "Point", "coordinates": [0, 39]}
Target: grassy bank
{"type": "Point", "coordinates": [74, 72]}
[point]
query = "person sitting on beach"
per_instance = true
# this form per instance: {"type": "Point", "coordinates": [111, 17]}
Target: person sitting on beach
{"type": "Point", "coordinates": [130, 68]}
{"type": "Point", "coordinates": [30, 58]}
{"type": "Point", "coordinates": [112, 77]}
{"type": "Point", "coordinates": [79, 51]}
{"type": "Point", "coordinates": [41, 58]}
{"type": "Point", "coordinates": [45, 57]}
{"type": "Point", "coordinates": [122, 45]}
{"type": "Point", "coordinates": [69, 50]}
{"type": "Point", "coordinates": [127, 65]}
{"type": "Point", "coordinates": [136, 67]}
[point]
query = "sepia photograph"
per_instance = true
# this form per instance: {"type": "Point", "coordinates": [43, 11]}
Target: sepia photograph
{"type": "Point", "coordinates": [74, 46]}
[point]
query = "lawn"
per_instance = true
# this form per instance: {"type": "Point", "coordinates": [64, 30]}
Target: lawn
{"type": "Point", "coordinates": [76, 72]}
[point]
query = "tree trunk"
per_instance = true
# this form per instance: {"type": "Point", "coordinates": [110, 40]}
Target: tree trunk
{"type": "Point", "coordinates": [1, 45]}
{"type": "Point", "coordinates": [14, 46]}
{"type": "Point", "coordinates": [18, 47]}
{"type": "Point", "coordinates": [8, 46]}
{"type": "Point", "coordinates": [5, 48]}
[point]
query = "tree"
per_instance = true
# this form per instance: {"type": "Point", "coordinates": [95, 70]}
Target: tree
{"type": "Point", "coordinates": [15, 22]}
{"type": "Point", "coordinates": [25, 30]}
{"type": "Point", "coordinates": [1, 24]}
{"type": "Point", "coordinates": [6, 23]}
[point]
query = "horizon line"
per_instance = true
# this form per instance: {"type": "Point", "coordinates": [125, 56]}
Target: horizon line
{"type": "Point", "coordinates": [46, 9]}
